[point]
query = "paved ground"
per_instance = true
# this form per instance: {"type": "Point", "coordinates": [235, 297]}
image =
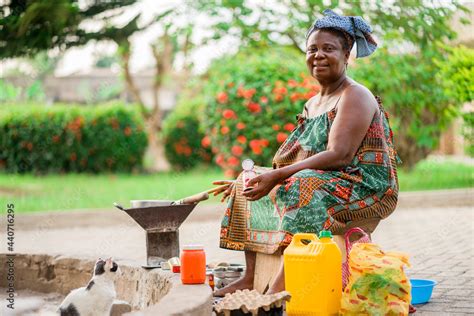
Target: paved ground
{"type": "Point", "coordinates": [436, 229]}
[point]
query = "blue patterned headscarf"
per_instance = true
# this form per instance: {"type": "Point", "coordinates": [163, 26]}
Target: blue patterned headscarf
{"type": "Point", "coordinates": [354, 26]}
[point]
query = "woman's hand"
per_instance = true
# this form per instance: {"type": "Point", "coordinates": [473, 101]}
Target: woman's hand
{"type": "Point", "coordinates": [227, 187]}
{"type": "Point", "coordinates": [262, 184]}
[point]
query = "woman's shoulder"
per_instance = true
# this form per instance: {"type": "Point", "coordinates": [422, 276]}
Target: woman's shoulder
{"type": "Point", "coordinates": [356, 97]}
{"type": "Point", "coordinates": [356, 92]}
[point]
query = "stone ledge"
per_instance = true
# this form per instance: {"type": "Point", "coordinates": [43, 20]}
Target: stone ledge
{"type": "Point", "coordinates": [182, 300]}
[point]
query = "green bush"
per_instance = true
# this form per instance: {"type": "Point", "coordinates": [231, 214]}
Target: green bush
{"type": "Point", "coordinates": [252, 100]}
{"type": "Point", "coordinates": [70, 139]}
{"type": "Point", "coordinates": [185, 143]}
{"type": "Point", "coordinates": [413, 95]}
{"type": "Point", "coordinates": [458, 73]}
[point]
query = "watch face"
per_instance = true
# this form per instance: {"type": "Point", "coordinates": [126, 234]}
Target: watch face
{"type": "Point", "coordinates": [248, 164]}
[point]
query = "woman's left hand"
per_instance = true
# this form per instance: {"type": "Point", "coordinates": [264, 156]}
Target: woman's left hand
{"type": "Point", "coordinates": [262, 184]}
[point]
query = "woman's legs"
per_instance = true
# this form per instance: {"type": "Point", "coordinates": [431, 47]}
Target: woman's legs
{"type": "Point", "coordinates": [278, 284]}
{"type": "Point", "coordinates": [245, 282]}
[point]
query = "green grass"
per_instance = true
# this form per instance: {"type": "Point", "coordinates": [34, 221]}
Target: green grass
{"type": "Point", "coordinates": [78, 191]}
{"type": "Point", "coordinates": [437, 174]}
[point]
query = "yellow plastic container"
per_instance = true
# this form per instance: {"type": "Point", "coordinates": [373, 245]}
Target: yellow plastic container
{"type": "Point", "coordinates": [313, 275]}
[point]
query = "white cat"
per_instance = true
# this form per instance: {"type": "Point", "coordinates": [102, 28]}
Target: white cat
{"type": "Point", "coordinates": [97, 297]}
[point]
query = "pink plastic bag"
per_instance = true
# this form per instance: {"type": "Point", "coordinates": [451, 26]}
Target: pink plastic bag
{"type": "Point", "coordinates": [345, 266]}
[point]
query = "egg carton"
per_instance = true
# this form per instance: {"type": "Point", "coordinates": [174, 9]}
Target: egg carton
{"type": "Point", "coordinates": [246, 302]}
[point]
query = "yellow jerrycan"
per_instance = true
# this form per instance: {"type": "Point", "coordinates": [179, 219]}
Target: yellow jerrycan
{"type": "Point", "coordinates": [313, 275]}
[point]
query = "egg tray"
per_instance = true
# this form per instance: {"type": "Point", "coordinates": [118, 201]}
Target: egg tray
{"type": "Point", "coordinates": [246, 302]}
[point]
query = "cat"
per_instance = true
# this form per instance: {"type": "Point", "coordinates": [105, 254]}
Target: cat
{"type": "Point", "coordinates": [97, 297]}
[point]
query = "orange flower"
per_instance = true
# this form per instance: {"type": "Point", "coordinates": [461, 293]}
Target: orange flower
{"type": "Point", "coordinates": [233, 161]}
{"type": "Point", "coordinates": [276, 127]}
{"type": "Point", "coordinates": [229, 114]}
{"type": "Point", "coordinates": [254, 107]}
{"type": "Point", "coordinates": [222, 97]}
{"type": "Point", "coordinates": [229, 173]}
{"type": "Point", "coordinates": [246, 94]}
{"type": "Point", "coordinates": [264, 100]}
{"type": "Point", "coordinates": [278, 97]}
{"type": "Point", "coordinates": [241, 139]}
{"type": "Point", "coordinates": [113, 122]}
{"type": "Point", "coordinates": [249, 93]}
{"type": "Point", "coordinates": [280, 90]}
{"type": "Point", "coordinates": [254, 143]}
{"type": "Point", "coordinates": [292, 83]}
{"type": "Point", "coordinates": [237, 150]}
{"type": "Point", "coordinates": [281, 137]}
{"type": "Point", "coordinates": [265, 142]}
{"type": "Point", "coordinates": [206, 141]}
{"type": "Point", "coordinates": [294, 97]}
{"type": "Point", "coordinates": [127, 131]}
{"type": "Point", "coordinates": [257, 150]}
{"type": "Point", "coordinates": [308, 95]}
{"type": "Point", "coordinates": [224, 130]}
{"type": "Point", "coordinates": [230, 84]}
{"type": "Point", "coordinates": [73, 157]}
{"type": "Point", "coordinates": [55, 139]}
{"type": "Point", "coordinates": [220, 159]}
{"type": "Point", "coordinates": [29, 146]}
{"type": "Point", "coordinates": [240, 125]}
{"type": "Point", "coordinates": [289, 127]}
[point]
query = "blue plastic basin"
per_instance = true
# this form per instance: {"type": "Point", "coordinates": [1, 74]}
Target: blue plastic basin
{"type": "Point", "coordinates": [421, 290]}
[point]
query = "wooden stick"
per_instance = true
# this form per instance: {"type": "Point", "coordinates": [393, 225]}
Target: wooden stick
{"type": "Point", "coordinates": [217, 188]}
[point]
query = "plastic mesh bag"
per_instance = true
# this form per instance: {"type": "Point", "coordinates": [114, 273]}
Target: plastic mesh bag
{"type": "Point", "coordinates": [377, 282]}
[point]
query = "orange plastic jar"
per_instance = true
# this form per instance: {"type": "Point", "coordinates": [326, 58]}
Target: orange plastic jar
{"type": "Point", "coordinates": [193, 265]}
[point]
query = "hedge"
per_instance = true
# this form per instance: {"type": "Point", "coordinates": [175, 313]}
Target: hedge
{"type": "Point", "coordinates": [44, 139]}
{"type": "Point", "coordinates": [183, 135]}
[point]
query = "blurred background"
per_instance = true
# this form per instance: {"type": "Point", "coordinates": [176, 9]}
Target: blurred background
{"type": "Point", "coordinates": [104, 101]}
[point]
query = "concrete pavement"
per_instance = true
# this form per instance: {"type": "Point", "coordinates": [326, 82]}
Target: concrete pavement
{"type": "Point", "coordinates": [435, 228]}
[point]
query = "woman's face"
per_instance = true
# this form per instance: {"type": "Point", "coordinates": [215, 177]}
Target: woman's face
{"type": "Point", "coordinates": [325, 57]}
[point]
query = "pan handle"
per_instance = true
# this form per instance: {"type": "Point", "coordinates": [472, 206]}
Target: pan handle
{"type": "Point", "coordinates": [193, 199]}
{"type": "Point", "coordinates": [120, 207]}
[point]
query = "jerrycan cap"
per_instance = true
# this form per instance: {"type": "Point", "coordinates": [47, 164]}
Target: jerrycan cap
{"type": "Point", "coordinates": [325, 233]}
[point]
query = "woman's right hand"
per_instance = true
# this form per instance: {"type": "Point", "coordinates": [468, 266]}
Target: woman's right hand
{"type": "Point", "coordinates": [227, 187]}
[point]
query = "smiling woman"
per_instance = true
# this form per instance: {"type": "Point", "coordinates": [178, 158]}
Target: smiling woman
{"type": "Point", "coordinates": [336, 170]}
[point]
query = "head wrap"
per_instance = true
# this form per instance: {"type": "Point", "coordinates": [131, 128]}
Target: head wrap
{"type": "Point", "coordinates": [355, 26]}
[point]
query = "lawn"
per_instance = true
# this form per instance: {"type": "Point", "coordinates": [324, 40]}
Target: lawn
{"type": "Point", "coordinates": [78, 191]}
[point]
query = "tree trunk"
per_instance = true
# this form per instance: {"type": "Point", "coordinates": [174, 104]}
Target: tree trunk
{"type": "Point", "coordinates": [156, 150]}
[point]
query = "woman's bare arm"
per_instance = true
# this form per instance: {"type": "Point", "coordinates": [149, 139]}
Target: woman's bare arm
{"type": "Point", "coordinates": [355, 112]}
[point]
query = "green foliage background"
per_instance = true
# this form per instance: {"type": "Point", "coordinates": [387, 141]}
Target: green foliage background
{"type": "Point", "coordinates": [40, 139]}
{"type": "Point", "coordinates": [183, 134]}
{"type": "Point", "coordinates": [251, 123]}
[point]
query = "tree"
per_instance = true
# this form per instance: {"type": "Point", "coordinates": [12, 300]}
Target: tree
{"type": "Point", "coordinates": [29, 27]}
{"type": "Point", "coordinates": [414, 24]}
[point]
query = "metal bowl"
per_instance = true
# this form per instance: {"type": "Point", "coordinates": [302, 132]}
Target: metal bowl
{"type": "Point", "coordinates": [149, 203]}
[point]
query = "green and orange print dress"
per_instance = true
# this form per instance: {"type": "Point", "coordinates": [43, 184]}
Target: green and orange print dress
{"type": "Point", "coordinates": [312, 200]}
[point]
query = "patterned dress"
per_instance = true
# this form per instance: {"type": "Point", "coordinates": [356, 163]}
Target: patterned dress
{"type": "Point", "coordinates": [312, 200]}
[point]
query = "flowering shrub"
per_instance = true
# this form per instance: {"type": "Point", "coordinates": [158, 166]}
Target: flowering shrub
{"type": "Point", "coordinates": [185, 146]}
{"type": "Point", "coordinates": [252, 101]}
{"type": "Point", "coordinates": [71, 139]}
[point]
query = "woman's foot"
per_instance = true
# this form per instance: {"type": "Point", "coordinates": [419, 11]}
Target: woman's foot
{"type": "Point", "coordinates": [276, 287]}
{"type": "Point", "coordinates": [241, 284]}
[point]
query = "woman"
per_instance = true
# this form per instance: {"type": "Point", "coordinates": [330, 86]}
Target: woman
{"type": "Point", "coordinates": [337, 169]}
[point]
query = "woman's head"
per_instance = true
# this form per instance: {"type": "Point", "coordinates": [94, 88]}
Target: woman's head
{"type": "Point", "coordinates": [327, 54]}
